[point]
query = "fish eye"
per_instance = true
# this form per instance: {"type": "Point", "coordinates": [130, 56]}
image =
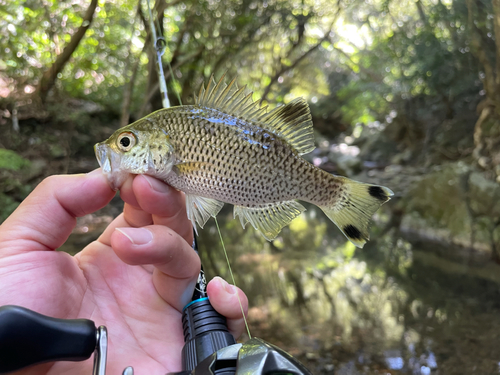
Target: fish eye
{"type": "Point", "coordinates": [126, 141]}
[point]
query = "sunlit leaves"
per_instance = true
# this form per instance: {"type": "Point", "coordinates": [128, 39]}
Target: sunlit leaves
{"type": "Point", "coordinates": [387, 51]}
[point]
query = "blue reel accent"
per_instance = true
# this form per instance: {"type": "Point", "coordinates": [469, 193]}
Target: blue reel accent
{"type": "Point", "coordinates": [196, 300]}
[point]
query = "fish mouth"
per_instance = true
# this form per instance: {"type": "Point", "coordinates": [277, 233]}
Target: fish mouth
{"type": "Point", "coordinates": [109, 162]}
{"type": "Point", "coordinates": [102, 152]}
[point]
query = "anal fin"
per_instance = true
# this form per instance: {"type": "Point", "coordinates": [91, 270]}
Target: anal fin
{"type": "Point", "coordinates": [200, 209]}
{"type": "Point", "coordinates": [269, 219]}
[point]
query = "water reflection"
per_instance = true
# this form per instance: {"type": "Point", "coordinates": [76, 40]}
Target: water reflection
{"type": "Point", "coordinates": [385, 309]}
{"type": "Point", "coordinates": [394, 307]}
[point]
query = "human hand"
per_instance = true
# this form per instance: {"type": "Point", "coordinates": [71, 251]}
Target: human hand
{"type": "Point", "coordinates": [134, 279]}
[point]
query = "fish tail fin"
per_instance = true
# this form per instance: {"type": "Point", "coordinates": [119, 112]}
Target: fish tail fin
{"type": "Point", "coordinates": [352, 211]}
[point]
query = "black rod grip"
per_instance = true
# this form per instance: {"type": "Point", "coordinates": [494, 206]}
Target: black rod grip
{"type": "Point", "coordinates": [205, 332]}
{"type": "Point", "coordinates": [27, 338]}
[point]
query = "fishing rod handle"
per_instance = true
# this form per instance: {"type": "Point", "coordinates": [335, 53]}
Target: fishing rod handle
{"type": "Point", "coordinates": [205, 332]}
{"type": "Point", "coordinates": [28, 338]}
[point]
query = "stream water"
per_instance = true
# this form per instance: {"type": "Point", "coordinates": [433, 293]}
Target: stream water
{"type": "Point", "coordinates": [391, 308]}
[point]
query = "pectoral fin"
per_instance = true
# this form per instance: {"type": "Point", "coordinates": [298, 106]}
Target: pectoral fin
{"type": "Point", "coordinates": [269, 219]}
{"type": "Point", "coordinates": [189, 167]}
{"type": "Point", "coordinates": [200, 209]}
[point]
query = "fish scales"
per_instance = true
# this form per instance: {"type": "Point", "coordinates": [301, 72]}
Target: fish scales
{"type": "Point", "coordinates": [245, 168]}
{"type": "Point", "coordinates": [224, 149]}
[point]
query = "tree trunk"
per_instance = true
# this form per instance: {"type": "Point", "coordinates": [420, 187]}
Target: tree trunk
{"type": "Point", "coordinates": [487, 128]}
{"type": "Point", "coordinates": [129, 87]}
{"type": "Point", "coordinates": [50, 75]}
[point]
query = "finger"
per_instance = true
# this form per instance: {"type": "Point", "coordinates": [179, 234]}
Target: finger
{"type": "Point", "coordinates": [166, 204]}
{"type": "Point", "coordinates": [157, 198]}
{"type": "Point", "coordinates": [45, 219]}
{"type": "Point", "coordinates": [176, 264]}
{"type": "Point", "coordinates": [118, 222]}
{"type": "Point", "coordinates": [224, 299]}
{"type": "Point", "coordinates": [127, 192]}
{"type": "Point", "coordinates": [136, 217]}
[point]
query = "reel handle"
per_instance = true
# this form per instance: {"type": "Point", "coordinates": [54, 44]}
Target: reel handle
{"type": "Point", "coordinates": [28, 338]}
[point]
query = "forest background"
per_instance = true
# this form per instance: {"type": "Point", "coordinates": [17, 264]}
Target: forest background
{"type": "Point", "coordinates": [402, 93]}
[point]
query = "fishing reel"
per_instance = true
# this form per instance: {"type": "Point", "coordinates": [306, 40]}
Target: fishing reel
{"type": "Point", "coordinates": [28, 338]}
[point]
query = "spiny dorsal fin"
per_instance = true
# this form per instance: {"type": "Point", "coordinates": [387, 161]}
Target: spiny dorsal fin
{"type": "Point", "coordinates": [292, 121]}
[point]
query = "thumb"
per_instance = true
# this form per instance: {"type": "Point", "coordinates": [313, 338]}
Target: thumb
{"type": "Point", "coordinates": [45, 219]}
{"type": "Point", "coordinates": [224, 299]}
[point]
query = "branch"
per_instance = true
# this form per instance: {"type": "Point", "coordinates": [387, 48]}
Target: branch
{"type": "Point", "coordinates": [480, 52]}
{"type": "Point", "coordinates": [373, 76]}
{"type": "Point", "coordinates": [129, 88]}
{"type": "Point", "coordinates": [285, 68]}
{"type": "Point", "coordinates": [50, 75]}
{"type": "Point", "coordinates": [496, 21]}
{"type": "Point", "coordinates": [187, 86]}
{"type": "Point", "coordinates": [238, 47]}
{"type": "Point", "coordinates": [421, 12]}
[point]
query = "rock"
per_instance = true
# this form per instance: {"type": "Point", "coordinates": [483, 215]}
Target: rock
{"type": "Point", "coordinates": [347, 165]}
{"type": "Point", "coordinates": [403, 157]}
{"type": "Point", "coordinates": [376, 146]}
{"type": "Point", "coordinates": [457, 204]}
{"type": "Point", "coordinates": [37, 168]}
{"type": "Point", "coordinates": [484, 196]}
{"type": "Point", "coordinates": [57, 151]}
{"type": "Point", "coordinates": [438, 198]}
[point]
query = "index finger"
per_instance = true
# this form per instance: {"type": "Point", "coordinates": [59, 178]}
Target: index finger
{"type": "Point", "coordinates": [150, 201]}
{"type": "Point", "coordinates": [166, 204]}
{"type": "Point", "coordinates": [45, 219]}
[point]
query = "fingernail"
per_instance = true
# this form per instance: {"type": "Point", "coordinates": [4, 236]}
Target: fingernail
{"type": "Point", "coordinates": [138, 236]}
{"type": "Point", "coordinates": [156, 185]}
{"type": "Point", "coordinates": [225, 285]}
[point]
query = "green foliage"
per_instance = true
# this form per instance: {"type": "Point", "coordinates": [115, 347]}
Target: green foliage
{"type": "Point", "coordinates": [202, 37]}
{"type": "Point", "coordinates": [403, 57]}
{"type": "Point", "coordinates": [13, 189]}
{"type": "Point", "coordinates": [8, 205]}
{"type": "Point", "coordinates": [11, 160]}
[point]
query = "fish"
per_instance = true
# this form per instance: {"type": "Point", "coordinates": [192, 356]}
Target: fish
{"type": "Point", "coordinates": [226, 148]}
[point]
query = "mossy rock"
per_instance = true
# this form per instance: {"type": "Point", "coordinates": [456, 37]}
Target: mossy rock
{"type": "Point", "coordinates": [459, 200]}
{"type": "Point", "coordinates": [484, 196]}
{"type": "Point", "coordinates": [57, 151]}
{"type": "Point", "coordinates": [11, 160]}
{"type": "Point", "coordinates": [439, 198]}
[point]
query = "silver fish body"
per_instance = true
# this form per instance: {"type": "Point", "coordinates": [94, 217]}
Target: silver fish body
{"type": "Point", "coordinates": [225, 149]}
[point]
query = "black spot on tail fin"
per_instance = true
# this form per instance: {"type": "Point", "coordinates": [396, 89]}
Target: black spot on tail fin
{"type": "Point", "coordinates": [352, 232]}
{"type": "Point", "coordinates": [353, 206]}
{"type": "Point", "coordinates": [378, 193]}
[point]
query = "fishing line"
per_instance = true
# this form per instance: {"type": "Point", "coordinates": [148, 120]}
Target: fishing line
{"type": "Point", "coordinates": [160, 44]}
{"type": "Point", "coordinates": [232, 277]}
